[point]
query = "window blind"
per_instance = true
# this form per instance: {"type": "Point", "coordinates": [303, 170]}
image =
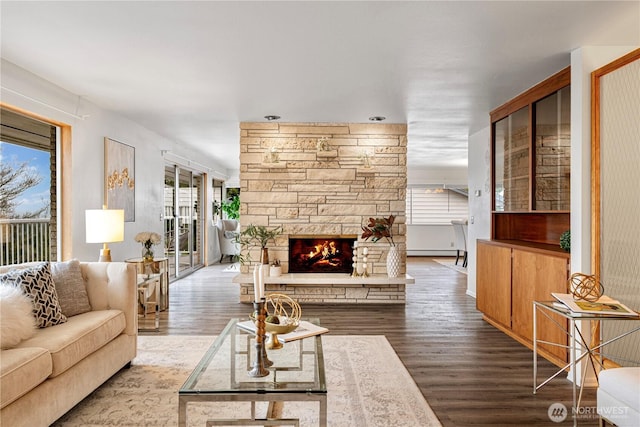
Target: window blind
{"type": "Point", "coordinates": [435, 206]}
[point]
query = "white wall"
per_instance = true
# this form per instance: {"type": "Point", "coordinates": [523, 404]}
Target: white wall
{"type": "Point", "coordinates": [88, 157]}
{"type": "Point", "coordinates": [479, 206]}
{"type": "Point", "coordinates": [430, 240]}
{"type": "Point", "coordinates": [584, 61]}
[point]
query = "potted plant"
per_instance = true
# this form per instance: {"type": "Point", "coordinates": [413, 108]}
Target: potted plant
{"type": "Point", "coordinates": [255, 235]}
{"type": "Point", "coordinates": [232, 207]}
{"type": "Point", "coordinates": [381, 228]}
{"type": "Point", "coordinates": [565, 240]}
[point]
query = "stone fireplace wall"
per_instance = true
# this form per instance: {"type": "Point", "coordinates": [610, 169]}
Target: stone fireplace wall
{"type": "Point", "coordinates": [319, 178]}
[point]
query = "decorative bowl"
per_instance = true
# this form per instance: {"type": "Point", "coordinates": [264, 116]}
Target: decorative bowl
{"type": "Point", "coordinates": [286, 325]}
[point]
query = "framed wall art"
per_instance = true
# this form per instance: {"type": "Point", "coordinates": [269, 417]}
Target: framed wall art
{"type": "Point", "coordinates": [119, 180]}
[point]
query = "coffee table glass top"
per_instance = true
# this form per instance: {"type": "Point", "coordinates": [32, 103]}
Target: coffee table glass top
{"type": "Point", "coordinates": [297, 367]}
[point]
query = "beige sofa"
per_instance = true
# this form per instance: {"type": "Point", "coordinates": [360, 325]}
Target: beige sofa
{"type": "Point", "coordinates": [46, 375]}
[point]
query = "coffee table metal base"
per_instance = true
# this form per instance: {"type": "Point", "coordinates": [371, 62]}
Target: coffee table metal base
{"type": "Point", "coordinates": [253, 398]}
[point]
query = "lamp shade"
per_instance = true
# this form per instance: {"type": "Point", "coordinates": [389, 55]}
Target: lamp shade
{"type": "Point", "coordinates": [104, 225]}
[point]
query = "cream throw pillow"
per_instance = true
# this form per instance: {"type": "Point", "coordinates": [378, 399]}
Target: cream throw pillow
{"type": "Point", "coordinates": [71, 287]}
{"type": "Point", "coordinates": [17, 322]}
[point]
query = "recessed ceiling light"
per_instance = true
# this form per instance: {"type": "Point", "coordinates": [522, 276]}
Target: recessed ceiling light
{"type": "Point", "coordinates": [377, 118]}
{"type": "Point", "coordinates": [271, 117]}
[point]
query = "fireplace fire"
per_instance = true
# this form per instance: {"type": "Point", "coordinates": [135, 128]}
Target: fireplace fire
{"type": "Point", "coordinates": [321, 254]}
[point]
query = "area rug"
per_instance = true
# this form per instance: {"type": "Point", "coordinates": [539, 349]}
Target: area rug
{"type": "Point", "coordinates": [368, 386]}
{"type": "Point", "coordinates": [451, 263]}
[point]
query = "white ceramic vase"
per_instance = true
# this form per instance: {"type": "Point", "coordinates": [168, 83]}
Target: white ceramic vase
{"type": "Point", "coordinates": [393, 262]}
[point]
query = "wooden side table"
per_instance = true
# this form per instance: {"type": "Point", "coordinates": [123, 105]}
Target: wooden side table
{"type": "Point", "coordinates": [160, 267]}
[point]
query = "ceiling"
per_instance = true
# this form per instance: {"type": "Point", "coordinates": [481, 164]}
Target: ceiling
{"type": "Point", "coordinates": [191, 71]}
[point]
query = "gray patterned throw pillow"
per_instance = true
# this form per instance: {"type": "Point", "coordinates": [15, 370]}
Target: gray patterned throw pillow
{"type": "Point", "coordinates": [37, 284]}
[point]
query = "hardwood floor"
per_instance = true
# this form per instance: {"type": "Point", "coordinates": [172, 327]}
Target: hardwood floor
{"type": "Point", "coordinates": [470, 373]}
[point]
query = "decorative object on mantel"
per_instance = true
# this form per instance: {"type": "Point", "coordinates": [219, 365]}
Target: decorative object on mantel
{"type": "Point", "coordinates": [565, 240]}
{"type": "Point", "coordinates": [276, 269]}
{"type": "Point", "coordinates": [585, 287]}
{"type": "Point", "coordinates": [355, 273]}
{"type": "Point", "coordinates": [365, 252]}
{"type": "Point", "coordinates": [254, 235]}
{"type": "Point", "coordinates": [377, 229]}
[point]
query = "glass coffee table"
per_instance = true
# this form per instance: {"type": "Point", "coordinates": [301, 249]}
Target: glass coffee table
{"type": "Point", "coordinates": [297, 374]}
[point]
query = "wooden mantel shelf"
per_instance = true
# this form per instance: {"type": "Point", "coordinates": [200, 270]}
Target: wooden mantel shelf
{"type": "Point", "coordinates": [328, 279]}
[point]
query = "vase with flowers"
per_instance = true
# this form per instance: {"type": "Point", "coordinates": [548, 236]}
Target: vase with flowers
{"type": "Point", "coordinates": [381, 228]}
{"type": "Point", "coordinates": [148, 240]}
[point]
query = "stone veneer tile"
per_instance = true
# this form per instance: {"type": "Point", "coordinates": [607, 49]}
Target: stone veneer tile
{"type": "Point", "coordinates": [309, 128]}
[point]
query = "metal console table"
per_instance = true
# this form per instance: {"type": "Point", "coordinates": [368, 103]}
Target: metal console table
{"type": "Point", "coordinates": [576, 341]}
{"type": "Point", "coordinates": [221, 375]}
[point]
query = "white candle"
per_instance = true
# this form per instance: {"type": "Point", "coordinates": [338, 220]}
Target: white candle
{"type": "Point", "coordinates": [256, 283]}
{"type": "Point", "coordinates": [263, 273]}
{"type": "Point", "coordinates": [355, 244]}
{"type": "Point", "coordinates": [365, 251]}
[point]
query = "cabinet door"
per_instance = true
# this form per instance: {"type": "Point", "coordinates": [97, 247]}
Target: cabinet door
{"type": "Point", "coordinates": [535, 276]}
{"type": "Point", "coordinates": [493, 282]}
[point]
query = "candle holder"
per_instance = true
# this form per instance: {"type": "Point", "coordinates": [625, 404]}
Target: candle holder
{"type": "Point", "coordinates": [260, 361]}
{"type": "Point", "coordinates": [355, 273]}
{"type": "Point", "coordinates": [365, 273]}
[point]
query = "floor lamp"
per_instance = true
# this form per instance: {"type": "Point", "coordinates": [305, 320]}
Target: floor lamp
{"type": "Point", "coordinates": [104, 226]}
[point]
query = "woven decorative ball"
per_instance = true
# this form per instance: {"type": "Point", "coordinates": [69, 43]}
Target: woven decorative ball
{"type": "Point", "coordinates": [585, 287]}
{"type": "Point", "coordinates": [287, 312]}
{"type": "Point", "coordinates": [285, 308]}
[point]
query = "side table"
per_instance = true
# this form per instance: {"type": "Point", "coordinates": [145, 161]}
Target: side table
{"type": "Point", "coordinates": [576, 341]}
{"type": "Point", "coordinates": [160, 267]}
{"type": "Point", "coordinates": [148, 292]}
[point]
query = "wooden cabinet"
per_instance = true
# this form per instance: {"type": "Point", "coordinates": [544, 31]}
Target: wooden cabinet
{"type": "Point", "coordinates": [510, 276]}
{"type": "Point", "coordinates": [534, 277]}
{"type": "Point", "coordinates": [494, 270]}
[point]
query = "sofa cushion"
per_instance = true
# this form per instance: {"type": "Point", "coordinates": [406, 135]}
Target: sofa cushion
{"type": "Point", "coordinates": [21, 370]}
{"type": "Point", "coordinates": [37, 283]}
{"type": "Point", "coordinates": [16, 317]}
{"type": "Point", "coordinates": [80, 336]}
{"type": "Point", "coordinates": [623, 384]}
{"type": "Point", "coordinates": [71, 287]}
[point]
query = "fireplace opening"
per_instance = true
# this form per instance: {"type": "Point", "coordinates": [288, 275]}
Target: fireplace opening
{"type": "Point", "coordinates": [321, 254]}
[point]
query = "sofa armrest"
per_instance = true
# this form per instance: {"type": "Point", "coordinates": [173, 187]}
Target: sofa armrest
{"type": "Point", "coordinates": [113, 285]}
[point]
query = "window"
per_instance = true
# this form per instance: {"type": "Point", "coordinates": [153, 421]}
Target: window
{"type": "Point", "coordinates": [27, 196]}
{"type": "Point", "coordinates": [436, 205]}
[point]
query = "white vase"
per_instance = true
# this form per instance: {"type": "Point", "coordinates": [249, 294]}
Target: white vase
{"type": "Point", "coordinates": [393, 262]}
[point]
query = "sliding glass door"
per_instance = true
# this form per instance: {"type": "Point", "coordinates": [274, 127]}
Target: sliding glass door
{"type": "Point", "coordinates": [183, 221]}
